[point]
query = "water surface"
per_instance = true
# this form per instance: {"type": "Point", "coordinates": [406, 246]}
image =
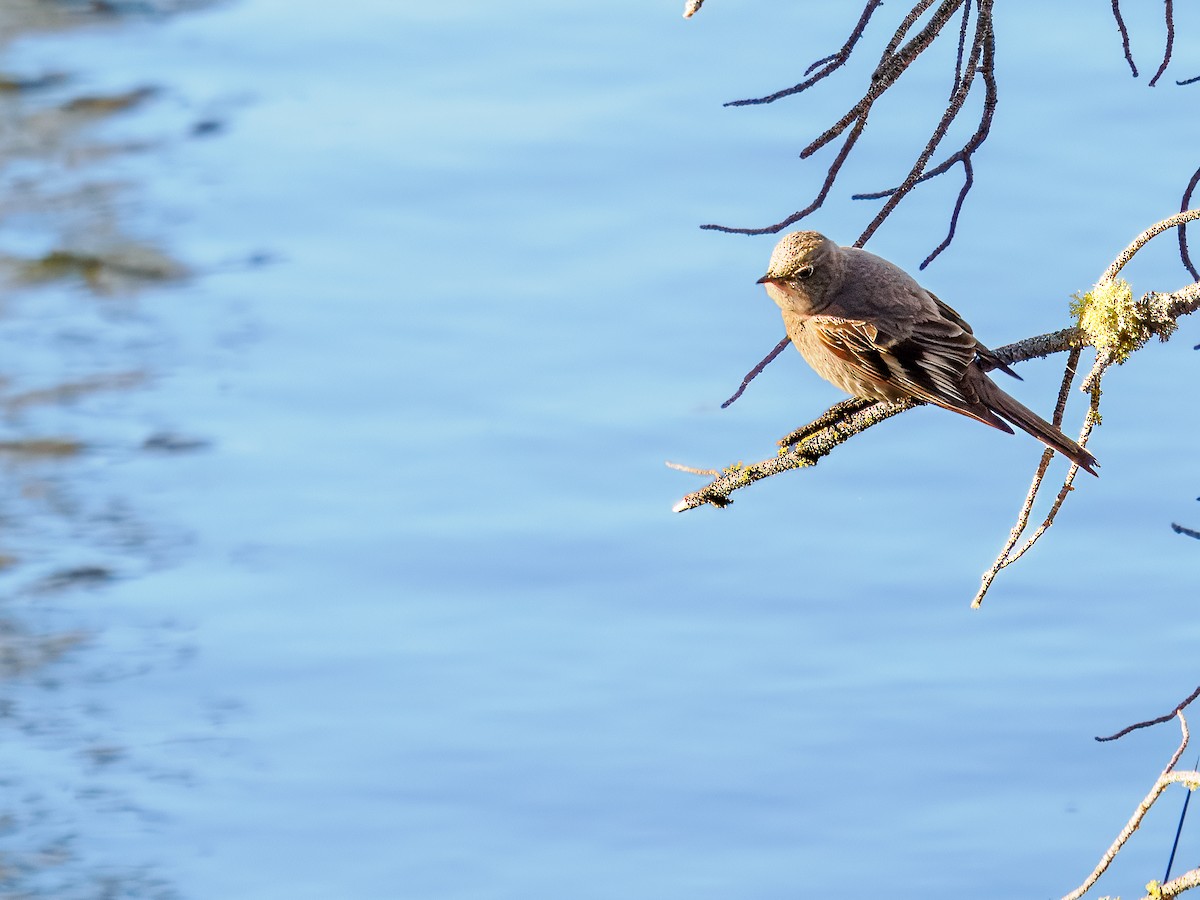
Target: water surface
{"type": "Point", "coordinates": [403, 611]}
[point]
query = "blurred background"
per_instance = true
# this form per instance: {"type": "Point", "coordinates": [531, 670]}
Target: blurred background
{"type": "Point", "coordinates": [342, 345]}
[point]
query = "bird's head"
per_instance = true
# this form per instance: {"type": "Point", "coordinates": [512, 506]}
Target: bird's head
{"type": "Point", "coordinates": [804, 273]}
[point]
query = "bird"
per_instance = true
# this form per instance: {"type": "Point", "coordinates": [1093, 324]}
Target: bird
{"type": "Point", "coordinates": [867, 326]}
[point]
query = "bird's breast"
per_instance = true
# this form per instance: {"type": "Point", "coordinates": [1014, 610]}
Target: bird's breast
{"type": "Point", "coordinates": [855, 379]}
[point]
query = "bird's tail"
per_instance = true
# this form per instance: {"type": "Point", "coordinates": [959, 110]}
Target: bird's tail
{"type": "Point", "coordinates": [1011, 410]}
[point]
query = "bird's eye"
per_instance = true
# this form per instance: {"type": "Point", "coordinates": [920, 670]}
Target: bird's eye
{"type": "Point", "coordinates": [804, 272]}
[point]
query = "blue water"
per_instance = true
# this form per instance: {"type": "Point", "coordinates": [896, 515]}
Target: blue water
{"type": "Point", "coordinates": [415, 619]}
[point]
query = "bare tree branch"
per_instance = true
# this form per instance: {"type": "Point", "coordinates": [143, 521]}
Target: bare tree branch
{"type": "Point", "coordinates": [1168, 777]}
{"type": "Point", "coordinates": [1175, 886]}
{"type": "Point", "coordinates": [1158, 721]}
{"type": "Point", "coordinates": [1180, 219]}
{"type": "Point", "coordinates": [982, 60]}
{"type": "Point", "coordinates": [830, 177]}
{"type": "Point", "coordinates": [831, 63]}
{"type": "Point", "coordinates": [1116, 8]}
{"type": "Point", "coordinates": [1184, 204]}
{"type": "Point", "coordinates": [1164, 308]}
{"type": "Point", "coordinates": [1007, 556]}
{"type": "Point", "coordinates": [894, 60]}
{"type": "Point", "coordinates": [757, 370]}
{"type": "Point", "coordinates": [851, 417]}
{"type": "Point", "coordinates": [897, 56]}
{"type": "Point", "coordinates": [1169, 13]}
{"type": "Point", "coordinates": [1110, 320]}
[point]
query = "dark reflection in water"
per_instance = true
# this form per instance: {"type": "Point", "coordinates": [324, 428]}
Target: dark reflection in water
{"type": "Point", "coordinates": [64, 247]}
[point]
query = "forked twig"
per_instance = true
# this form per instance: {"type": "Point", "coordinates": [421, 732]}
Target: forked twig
{"type": "Point", "coordinates": [1007, 555]}
{"type": "Point", "coordinates": [897, 56]}
{"type": "Point", "coordinates": [830, 178]}
{"type": "Point", "coordinates": [1105, 358]}
{"type": "Point", "coordinates": [1167, 777]}
{"type": "Point", "coordinates": [831, 63]}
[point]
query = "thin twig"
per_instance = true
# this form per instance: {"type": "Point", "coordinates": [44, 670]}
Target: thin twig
{"type": "Point", "coordinates": [968, 182]}
{"type": "Point", "coordinates": [1158, 721]}
{"type": "Point", "coordinates": [1142, 239]}
{"type": "Point", "coordinates": [982, 29]}
{"type": "Point", "coordinates": [1183, 244]}
{"type": "Point", "coordinates": [1002, 559]}
{"type": "Point", "coordinates": [1169, 12]}
{"type": "Point", "coordinates": [896, 58]}
{"type": "Point", "coordinates": [836, 60]}
{"type": "Point", "coordinates": [1179, 828]}
{"type": "Point", "coordinates": [1116, 9]}
{"type": "Point", "coordinates": [891, 67]}
{"type": "Point", "coordinates": [1006, 556]}
{"type": "Point", "coordinates": [983, 60]}
{"type": "Point", "coordinates": [756, 371]}
{"type": "Point", "coordinates": [691, 470]}
{"type": "Point", "coordinates": [1166, 778]}
{"type": "Point", "coordinates": [830, 177]}
{"type": "Point", "coordinates": [962, 43]}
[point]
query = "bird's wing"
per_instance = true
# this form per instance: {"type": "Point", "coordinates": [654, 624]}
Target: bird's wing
{"type": "Point", "coordinates": [984, 353]}
{"type": "Point", "coordinates": [929, 363]}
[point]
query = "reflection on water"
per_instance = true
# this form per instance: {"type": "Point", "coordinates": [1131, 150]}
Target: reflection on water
{"type": "Point", "coordinates": [65, 247]}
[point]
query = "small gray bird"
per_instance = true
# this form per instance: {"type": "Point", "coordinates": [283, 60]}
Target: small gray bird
{"type": "Point", "coordinates": [866, 326]}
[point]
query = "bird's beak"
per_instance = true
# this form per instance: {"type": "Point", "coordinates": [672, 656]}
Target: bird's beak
{"type": "Point", "coordinates": [765, 279]}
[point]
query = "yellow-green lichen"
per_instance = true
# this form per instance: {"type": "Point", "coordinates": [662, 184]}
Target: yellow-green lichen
{"type": "Point", "coordinates": [1111, 319]}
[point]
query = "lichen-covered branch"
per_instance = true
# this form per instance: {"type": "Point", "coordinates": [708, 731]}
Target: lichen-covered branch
{"type": "Point", "coordinates": [851, 417]}
{"type": "Point", "coordinates": [1161, 311]}
{"type": "Point", "coordinates": [806, 452]}
{"type": "Point", "coordinates": [1109, 320]}
{"type": "Point", "coordinates": [1174, 887]}
{"type": "Point", "coordinates": [1178, 220]}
